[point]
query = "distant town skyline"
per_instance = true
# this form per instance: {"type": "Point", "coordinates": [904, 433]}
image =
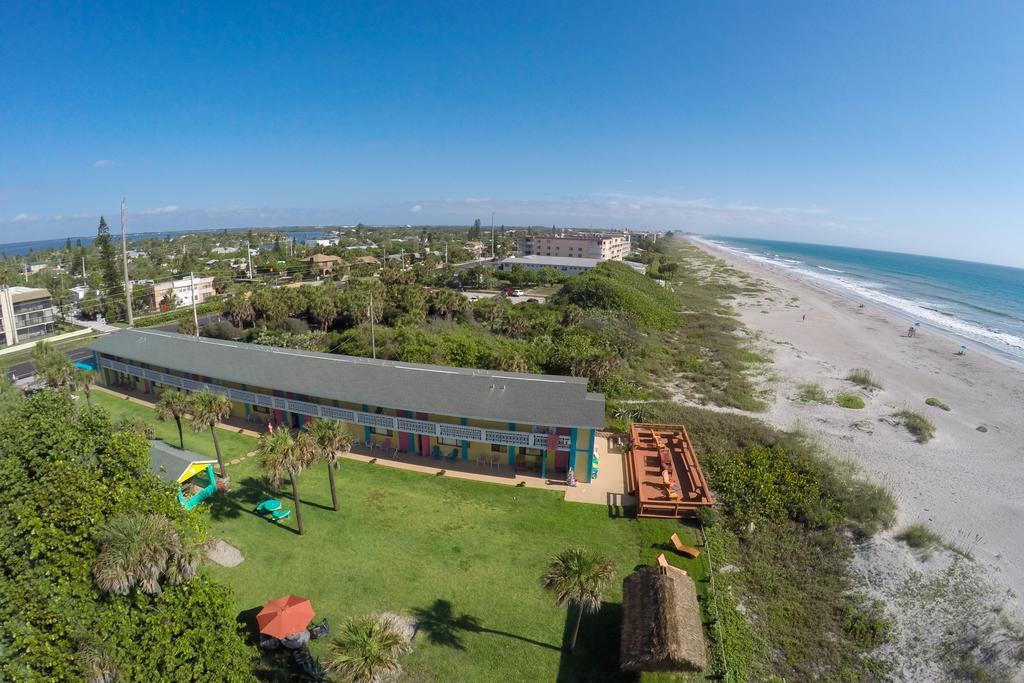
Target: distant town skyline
{"type": "Point", "coordinates": [880, 126]}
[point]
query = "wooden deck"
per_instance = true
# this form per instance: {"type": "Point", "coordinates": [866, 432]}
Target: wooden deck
{"type": "Point", "coordinates": [663, 473]}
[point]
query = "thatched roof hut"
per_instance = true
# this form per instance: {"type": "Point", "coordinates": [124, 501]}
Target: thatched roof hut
{"type": "Point", "coordinates": [661, 624]}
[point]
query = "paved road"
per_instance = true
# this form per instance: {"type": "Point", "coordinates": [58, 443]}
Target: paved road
{"type": "Point", "coordinates": [23, 370]}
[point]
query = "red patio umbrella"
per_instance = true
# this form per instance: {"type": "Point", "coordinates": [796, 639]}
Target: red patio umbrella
{"type": "Point", "coordinates": [284, 616]}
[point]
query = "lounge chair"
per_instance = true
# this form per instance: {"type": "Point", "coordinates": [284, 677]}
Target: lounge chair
{"type": "Point", "coordinates": [682, 549]}
{"type": "Point", "coordinates": [278, 515]}
{"type": "Point", "coordinates": [662, 562]}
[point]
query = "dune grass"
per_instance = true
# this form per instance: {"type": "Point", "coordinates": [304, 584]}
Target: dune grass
{"type": "Point", "coordinates": [918, 425]}
{"type": "Point", "coordinates": [919, 537]}
{"type": "Point", "coordinates": [982, 428]}
{"type": "Point", "coordinates": [863, 378]}
{"type": "Point", "coordinates": [812, 393]}
{"type": "Point", "coordinates": [936, 403]}
{"type": "Point", "coordinates": [851, 401]}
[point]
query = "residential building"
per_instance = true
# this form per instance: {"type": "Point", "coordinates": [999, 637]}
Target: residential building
{"type": "Point", "coordinates": [322, 264]}
{"type": "Point", "coordinates": [512, 423]}
{"type": "Point", "coordinates": [25, 313]}
{"type": "Point", "coordinates": [224, 250]}
{"type": "Point", "coordinates": [478, 248]}
{"type": "Point", "coordinates": [600, 246]}
{"type": "Point", "coordinates": [323, 242]}
{"type": "Point", "coordinates": [79, 292]}
{"type": "Point", "coordinates": [183, 290]}
{"type": "Point", "coordinates": [563, 264]}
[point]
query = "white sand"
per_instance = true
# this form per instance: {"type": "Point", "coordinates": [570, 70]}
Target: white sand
{"type": "Point", "coordinates": [966, 485]}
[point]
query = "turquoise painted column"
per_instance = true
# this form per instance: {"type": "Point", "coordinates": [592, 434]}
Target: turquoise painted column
{"type": "Point", "coordinates": [572, 448]}
{"type": "Point", "coordinates": [465, 444]}
{"type": "Point", "coordinates": [544, 464]}
{"type": "Point", "coordinates": [366, 430]}
{"type": "Point", "coordinates": [512, 449]}
{"type": "Point", "coordinates": [248, 408]}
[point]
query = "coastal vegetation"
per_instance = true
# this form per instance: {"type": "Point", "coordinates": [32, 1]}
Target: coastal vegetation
{"type": "Point", "coordinates": [936, 403]}
{"type": "Point", "coordinates": [850, 401]}
{"type": "Point", "coordinates": [863, 378]}
{"type": "Point", "coordinates": [919, 537]}
{"type": "Point", "coordinates": [812, 392]}
{"type": "Point", "coordinates": [920, 426]}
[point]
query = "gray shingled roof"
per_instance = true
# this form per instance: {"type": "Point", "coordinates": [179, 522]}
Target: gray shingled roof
{"type": "Point", "coordinates": [482, 394]}
{"type": "Point", "coordinates": [168, 462]}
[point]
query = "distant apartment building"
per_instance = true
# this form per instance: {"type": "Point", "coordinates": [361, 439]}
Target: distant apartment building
{"type": "Point", "coordinates": [565, 265]}
{"type": "Point", "coordinates": [183, 291]}
{"type": "Point", "coordinates": [600, 246]}
{"type": "Point", "coordinates": [323, 242]}
{"type": "Point", "coordinates": [25, 313]}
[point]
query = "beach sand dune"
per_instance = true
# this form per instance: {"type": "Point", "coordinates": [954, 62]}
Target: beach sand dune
{"type": "Point", "coordinates": [965, 484]}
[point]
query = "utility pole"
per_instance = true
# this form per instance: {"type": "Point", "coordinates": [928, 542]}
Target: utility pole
{"type": "Point", "coordinates": [492, 235]}
{"type": "Point", "coordinates": [373, 335]}
{"type": "Point", "coordinates": [85, 276]}
{"type": "Point", "coordinates": [248, 255]}
{"type": "Point", "coordinates": [446, 253]}
{"type": "Point", "coordinates": [195, 314]}
{"type": "Point", "coordinates": [124, 260]}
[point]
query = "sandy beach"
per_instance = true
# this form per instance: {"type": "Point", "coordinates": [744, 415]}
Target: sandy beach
{"type": "Point", "coordinates": [965, 484]}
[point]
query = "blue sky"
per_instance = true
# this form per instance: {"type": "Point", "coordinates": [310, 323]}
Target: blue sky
{"type": "Point", "coordinates": [885, 125]}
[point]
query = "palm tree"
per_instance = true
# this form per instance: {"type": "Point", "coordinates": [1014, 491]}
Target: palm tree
{"type": "Point", "coordinates": [332, 439]}
{"type": "Point", "coordinates": [208, 409]}
{"type": "Point", "coordinates": [366, 650]}
{"type": "Point", "coordinates": [578, 577]}
{"type": "Point", "coordinates": [240, 309]}
{"type": "Point", "coordinates": [53, 367]}
{"type": "Point", "coordinates": [282, 456]}
{"type": "Point", "coordinates": [84, 380]}
{"type": "Point", "coordinates": [136, 551]}
{"type": "Point", "coordinates": [174, 404]}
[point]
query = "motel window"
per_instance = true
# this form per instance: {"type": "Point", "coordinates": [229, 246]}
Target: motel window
{"type": "Point", "coordinates": [382, 432]}
{"type": "Point", "coordinates": [260, 409]}
{"type": "Point", "coordinates": [443, 441]}
{"type": "Point", "coordinates": [497, 448]}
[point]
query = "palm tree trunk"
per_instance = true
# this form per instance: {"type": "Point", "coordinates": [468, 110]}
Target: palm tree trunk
{"type": "Point", "coordinates": [181, 435]}
{"type": "Point", "coordinates": [576, 628]}
{"type": "Point", "coordinates": [298, 505]}
{"type": "Point", "coordinates": [334, 493]}
{"type": "Point", "coordinates": [216, 447]}
{"type": "Point", "coordinates": [88, 398]}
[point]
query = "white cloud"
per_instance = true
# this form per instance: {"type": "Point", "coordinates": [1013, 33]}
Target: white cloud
{"type": "Point", "coordinates": [24, 218]}
{"type": "Point", "coordinates": [416, 208]}
{"type": "Point", "coordinates": [102, 163]}
{"type": "Point", "coordinates": [161, 210]}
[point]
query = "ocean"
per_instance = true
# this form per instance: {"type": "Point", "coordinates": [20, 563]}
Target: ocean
{"type": "Point", "coordinates": [977, 302]}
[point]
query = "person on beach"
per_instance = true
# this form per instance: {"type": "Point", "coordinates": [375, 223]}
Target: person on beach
{"type": "Point", "coordinates": [804, 319]}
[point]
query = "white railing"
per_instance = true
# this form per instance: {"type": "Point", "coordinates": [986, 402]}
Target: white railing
{"type": "Point", "coordinates": [400, 424]}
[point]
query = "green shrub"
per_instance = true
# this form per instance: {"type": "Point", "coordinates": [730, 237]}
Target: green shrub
{"type": "Point", "coordinates": [919, 537]}
{"type": "Point", "coordinates": [707, 516]}
{"type": "Point", "coordinates": [812, 393]}
{"type": "Point", "coordinates": [936, 403]}
{"type": "Point", "coordinates": [918, 425]}
{"type": "Point", "coordinates": [863, 378]}
{"type": "Point", "coordinates": [982, 428]}
{"type": "Point", "coordinates": [864, 620]}
{"type": "Point", "coordinates": [851, 401]}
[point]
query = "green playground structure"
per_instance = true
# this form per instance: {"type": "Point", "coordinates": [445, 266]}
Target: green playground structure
{"type": "Point", "coordinates": [203, 494]}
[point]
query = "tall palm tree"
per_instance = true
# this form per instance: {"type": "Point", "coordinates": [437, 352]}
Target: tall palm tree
{"type": "Point", "coordinates": [53, 367]}
{"type": "Point", "coordinates": [332, 440]}
{"type": "Point", "coordinates": [137, 551]}
{"type": "Point", "coordinates": [283, 456]}
{"type": "Point", "coordinates": [366, 650]}
{"type": "Point", "coordinates": [578, 578]}
{"type": "Point", "coordinates": [208, 409]}
{"type": "Point", "coordinates": [173, 404]}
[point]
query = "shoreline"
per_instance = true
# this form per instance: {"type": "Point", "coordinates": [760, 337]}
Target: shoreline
{"type": "Point", "coordinates": [823, 284]}
{"type": "Point", "coordinates": [963, 484]}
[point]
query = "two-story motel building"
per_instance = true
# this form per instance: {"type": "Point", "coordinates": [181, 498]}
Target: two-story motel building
{"type": "Point", "coordinates": [542, 425]}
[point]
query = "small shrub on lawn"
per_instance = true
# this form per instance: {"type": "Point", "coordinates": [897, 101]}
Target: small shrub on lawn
{"type": "Point", "coordinates": [936, 403]}
{"type": "Point", "coordinates": [707, 516]}
{"type": "Point", "coordinates": [851, 401]}
{"type": "Point", "coordinates": [812, 393]}
{"type": "Point", "coordinates": [920, 537]}
{"type": "Point", "coordinates": [864, 620]}
{"type": "Point", "coordinates": [863, 378]}
{"type": "Point", "coordinates": [918, 425]}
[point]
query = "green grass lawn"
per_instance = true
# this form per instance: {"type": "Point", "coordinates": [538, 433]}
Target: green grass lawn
{"type": "Point", "coordinates": [463, 557]}
{"type": "Point", "coordinates": [232, 444]}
